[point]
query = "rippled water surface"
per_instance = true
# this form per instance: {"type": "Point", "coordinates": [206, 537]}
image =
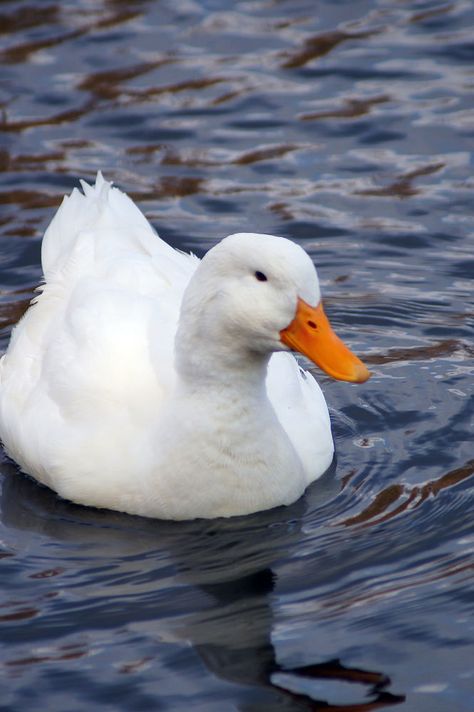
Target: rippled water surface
{"type": "Point", "coordinates": [345, 125]}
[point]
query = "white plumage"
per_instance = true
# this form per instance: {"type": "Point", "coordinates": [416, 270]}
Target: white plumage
{"type": "Point", "coordinates": [98, 403]}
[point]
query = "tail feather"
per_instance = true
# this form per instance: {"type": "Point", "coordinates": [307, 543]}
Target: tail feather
{"type": "Point", "coordinates": [98, 207]}
{"type": "Point", "coordinates": [72, 218]}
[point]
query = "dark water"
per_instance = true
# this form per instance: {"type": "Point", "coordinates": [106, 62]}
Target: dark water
{"type": "Point", "coordinates": [345, 125]}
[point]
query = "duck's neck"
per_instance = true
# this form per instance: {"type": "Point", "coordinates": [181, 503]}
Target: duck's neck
{"type": "Point", "coordinates": [220, 448]}
{"type": "Point", "coordinates": [223, 374]}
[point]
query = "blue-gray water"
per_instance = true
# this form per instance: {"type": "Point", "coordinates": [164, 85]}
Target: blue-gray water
{"type": "Point", "coordinates": [345, 125]}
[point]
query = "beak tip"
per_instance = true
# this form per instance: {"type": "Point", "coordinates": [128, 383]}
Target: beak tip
{"type": "Point", "coordinates": [361, 373]}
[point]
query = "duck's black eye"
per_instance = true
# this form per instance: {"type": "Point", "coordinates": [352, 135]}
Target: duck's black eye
{"type": "Point", "coordinates": [261, 277]}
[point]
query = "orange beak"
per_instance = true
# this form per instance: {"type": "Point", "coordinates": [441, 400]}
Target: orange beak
{"type": "Point", "coordinates": [311, 334]}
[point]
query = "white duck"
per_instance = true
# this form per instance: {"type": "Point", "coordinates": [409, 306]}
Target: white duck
{"type": "Point", "coordinates": [143, 380]}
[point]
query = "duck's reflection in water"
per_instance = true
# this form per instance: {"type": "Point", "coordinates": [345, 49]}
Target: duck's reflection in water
{"type": "Point", "coordinates": [206, 583]}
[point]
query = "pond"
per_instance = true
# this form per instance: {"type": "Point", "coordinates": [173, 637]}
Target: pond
{"type": "Point", "coordinates": [346, 126]}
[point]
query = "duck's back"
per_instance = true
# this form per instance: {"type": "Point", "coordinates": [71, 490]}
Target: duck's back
{"type": "Point", "coordinates": [92, 359]}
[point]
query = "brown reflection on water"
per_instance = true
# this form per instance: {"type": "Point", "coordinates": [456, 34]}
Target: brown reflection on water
{"type": "Point", "coordinates": [448, 480]}
{"type": "Point", "coordinates": [22, 18]}
{"type": "Point", "coordinates": [106, 84]}
{"type": "Point", "coordinates": [431, 13]}
{"type": "Point", "coordinates": [135, 665]}
{"type": "Point", "coordinates": [264, 154]}
{"type": "Point", "coordinates": [70, 115]}
{"type": "Point", "coordinates": [351, 108]}
{"type": "Point", "coordinates": [47, 573]}
{"type": "Point", "coordinates": [170, 187]}
{"type": "Point", "coordinates": [64, 652]}
{"type": "Point", "coordinates": [175, 88]}
{"type": "Point", "coordinates": [29, 199]}
{"type": "Point", "coordinates": [20, 53]}
{"type": "Point", "coordinates": [379, 511]}
{"type": "Point", "coordinates": [9, 162]}
{"type": "Point", "coordinates": [11, 312]}
{"type": "Point", "coordinates": [321, 45]}
{"type": "Point", "coordinates": [51, 16]}
{"type": "Point", "coordinates": [382, 501]}
{"type": "Point", "coordinates": [282, 210]}
{"type": "Point", "coordinates": [198, 157]}
{"type": "Point", "coordinates": [402, 186]}
{"type": "Point", "coordinates": [376, 683]}
{"type": "Point", "coordinates": [17, 231]}
{"type": "Point", "coordinates": [19, 615]}
{"type": "Point", "coordinates": [447, 347]}
{"type": "Point", "coordinates": [228, 96]}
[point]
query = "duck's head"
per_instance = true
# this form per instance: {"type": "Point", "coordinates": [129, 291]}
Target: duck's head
{"type": "Point", "coordinates": [258, 294]}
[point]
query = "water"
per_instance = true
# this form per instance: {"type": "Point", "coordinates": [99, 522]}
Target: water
{"type": "Point", "coordinates": [346, 126]}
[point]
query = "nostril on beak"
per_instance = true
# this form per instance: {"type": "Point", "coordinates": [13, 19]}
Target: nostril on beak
{"type": "Point", "coordinates": [312, 325]}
